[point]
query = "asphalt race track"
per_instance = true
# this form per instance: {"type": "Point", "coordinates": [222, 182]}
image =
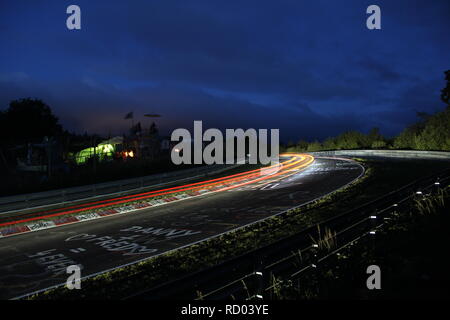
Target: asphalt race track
{"type": "Point", "coordinates": [37, 260]}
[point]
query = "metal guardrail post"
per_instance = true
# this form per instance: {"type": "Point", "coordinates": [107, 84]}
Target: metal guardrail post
{"type": "Point", "coordinates": [373, 220]}
{"type": "Point", "coordinates": [259, 279]}
{"type": "Point", "coordinates": [314, 258]}
{"type": "Point", "coordinates": [392, 212]}
{"type": "Point", "coordinates": [419, 193]}
{"type": "Point", "coordinates": [314, 255]}
{"type": "Point", "coordinates": [315, 263]}
{"type": "Point", "coordinates": [373, 225]}
{"type": "Point", "coordinates": [436, 187]}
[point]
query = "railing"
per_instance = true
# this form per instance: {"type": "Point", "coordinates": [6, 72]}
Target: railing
{"type": "Point", "coordinates": [119, 187]}
{"type": "Point", "coordinates": [402, 154]}
{"type": "Point", "coordinates": [251, 275]}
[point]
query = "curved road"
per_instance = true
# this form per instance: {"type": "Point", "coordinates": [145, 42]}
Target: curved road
{"type": "Point", "coordinates": [37, 260]}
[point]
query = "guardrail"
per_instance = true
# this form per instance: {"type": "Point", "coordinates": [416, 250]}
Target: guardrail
{"type": "Point", "coordinates": [123, 187]}
{"type": "Point", "coordinates": [119, 187]}
{"type": "Point", "coordinates": [251, 275]}
{"type": "Point", "coordinates": [402, 154]}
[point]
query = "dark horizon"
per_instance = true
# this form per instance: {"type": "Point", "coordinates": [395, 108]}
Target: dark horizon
{"type": "Point", "coordinates": [313, 70]}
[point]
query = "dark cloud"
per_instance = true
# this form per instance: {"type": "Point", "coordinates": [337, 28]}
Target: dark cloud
{"type": "Point", "coordinates": [380, 71]}
{"type": "Point", "coordinates": [310, 68]}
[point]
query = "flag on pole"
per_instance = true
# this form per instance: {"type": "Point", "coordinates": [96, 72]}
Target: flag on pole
{"type": "Point", "coordinates": [136, 129]}
{"type": "Point", "coordinates": [129, 115]}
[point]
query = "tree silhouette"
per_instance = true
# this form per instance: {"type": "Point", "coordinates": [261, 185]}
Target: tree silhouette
{"type": "Point", "coordinates": [445, 93]}
{"type": "Point", "coordinates": [28, 120]}
{"type": "Point", "coordinates": [430, 132]}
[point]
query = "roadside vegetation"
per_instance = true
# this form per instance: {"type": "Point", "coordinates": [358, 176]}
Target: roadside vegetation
{"type": "Point", "coordinates": [431, 132]}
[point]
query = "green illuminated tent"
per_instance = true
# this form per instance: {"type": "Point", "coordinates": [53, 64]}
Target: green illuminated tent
{"type": "Point", "coordinates": [103, 151]}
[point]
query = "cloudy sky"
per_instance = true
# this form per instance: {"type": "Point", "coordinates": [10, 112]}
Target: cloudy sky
{"type": "Point", "coordinates": [310, 68]}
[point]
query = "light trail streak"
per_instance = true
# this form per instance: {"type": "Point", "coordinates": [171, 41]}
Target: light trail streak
{"type": "Point", "coordinates": [297, 161]}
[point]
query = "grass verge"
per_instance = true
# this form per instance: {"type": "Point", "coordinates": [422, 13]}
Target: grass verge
{"type": "Point", "coordinates": [411, 252]}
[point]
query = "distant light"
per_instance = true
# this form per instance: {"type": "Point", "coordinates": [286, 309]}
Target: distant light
{"type": "Point", "coordinates": [372, 232]}
{"type": "Point", "coordinates": [419, 192]}
{"type": "Point", "coordinates": [373, 217]}
{"type": "Point", "coordinates": [395, 205]}
{"type": "Point", "coordinates": [259, 296]}
{"type": "Point", "coordinates": [437, 183]}
{"type": "Point", "coordinates": [259, 273]}
{"type": "Point", "coordinates": [315, 245]}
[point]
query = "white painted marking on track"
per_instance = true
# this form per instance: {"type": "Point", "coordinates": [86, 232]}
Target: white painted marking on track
{"type": "Point", "coordinates": [266, 186]}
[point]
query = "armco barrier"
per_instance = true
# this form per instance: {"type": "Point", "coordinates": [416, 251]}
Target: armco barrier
{"type": "Point", "coordinates": [401, 154]}
{"type": "Point", "coordinates": [40, 224]}
{"type": "Point", "coordinates": [55, 197]}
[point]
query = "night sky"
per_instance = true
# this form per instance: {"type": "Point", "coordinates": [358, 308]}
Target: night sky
{"type": "Point", "coordinates": [310, 68]}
